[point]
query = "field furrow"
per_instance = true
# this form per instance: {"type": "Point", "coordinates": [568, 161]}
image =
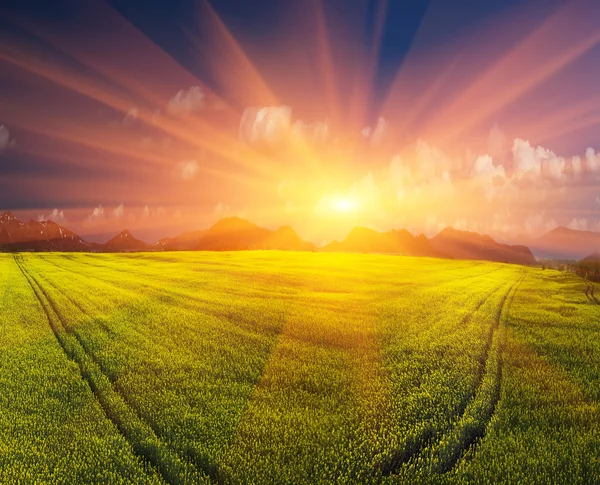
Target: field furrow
{"type": "Point", "coordinates": [472, 425]}
{"type": "Point", "coordinates": [268, 367]}
{"type": "Point", "coordinates": [141, 437]}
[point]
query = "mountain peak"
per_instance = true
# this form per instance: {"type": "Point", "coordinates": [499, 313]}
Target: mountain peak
{"type": "Point", "coordinates": [595, 256]}
{"type": "Point", "coordinates": [125, 241]}
{"type": "Point", "coordinates": [232, 224]}
{"type": "Point", "coordinates": [472, 245]}
{"type": "Point", "coordinates": [8, 216]}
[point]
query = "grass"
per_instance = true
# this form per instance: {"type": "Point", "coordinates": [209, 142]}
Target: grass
{"type": "Point", "coordinates": [274, 367]}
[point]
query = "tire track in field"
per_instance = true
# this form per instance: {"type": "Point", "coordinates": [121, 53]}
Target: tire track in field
{"type": "Point", "coordinates": [418, 443]}
{"type": "Point", "coordinates": [199, 461]}
{"type": "Point", "coordinates": [473, 424]}
{"type": "Point", "coordinates": [140, 436]}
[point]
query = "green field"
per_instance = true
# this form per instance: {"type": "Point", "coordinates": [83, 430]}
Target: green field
{"type": "Point", "coordinates": [299, 368]}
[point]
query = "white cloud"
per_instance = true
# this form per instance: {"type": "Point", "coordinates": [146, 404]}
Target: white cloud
{"type": "Point", "coordinates": [186, 170]}
{"type": "Point", "coordinates": [118, 211]}
{"type": "Point", "coordinates": [592, 160]}
{"type": "Point", "coordinates": [525, 158]}
{"type": "Point", "coordinates": [56, 216]}
{"type": "Point", "coordinates": [267, 124]}
{"type": "Point", "coordinates": [574, 166]}
{"type": "Point", "coordinates": [187, 101]}
{"type": "Point", "coordinates": [377, 134]}
{"type": "Point", "coordinates": [484, 167]}
{"type": "Point", "coordinates": [492, 178]}
{"type": "Point", "coordinates": [96, 215]}
{"type": "Point", "coordinates": [148, 212]}
{"type": "Point", "coordinates": [538, 161]}
{"type": "Point", "coordinates": [578, 224]}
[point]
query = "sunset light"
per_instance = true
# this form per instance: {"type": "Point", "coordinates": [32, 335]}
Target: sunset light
{"type": "Point", "coordinates": [300, 242]}
{"type": "Point", "coordinates": [344, 205]}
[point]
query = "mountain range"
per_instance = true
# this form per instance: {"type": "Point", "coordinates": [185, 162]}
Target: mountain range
{"type": "Point", "coordinates": [564, 243]}
{"type": "Point", "coordinates": [233, 233]}
{"type": "Point", "coordinates": [364, 240]}
{"type": "Point", "coordinates": [471, 245]}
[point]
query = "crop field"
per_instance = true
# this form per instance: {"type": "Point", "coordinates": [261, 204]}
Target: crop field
{"type": "Point", "coordinates": [297, 368]}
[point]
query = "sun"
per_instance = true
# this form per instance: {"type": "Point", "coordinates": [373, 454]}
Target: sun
{"type": "Point", "coordinates": [344, 204]}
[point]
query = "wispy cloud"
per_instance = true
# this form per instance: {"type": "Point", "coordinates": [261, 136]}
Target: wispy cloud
{"type": "Point", "coordinates": [186, 170]}
{"type": "Point", "coordinates": [56, 215]}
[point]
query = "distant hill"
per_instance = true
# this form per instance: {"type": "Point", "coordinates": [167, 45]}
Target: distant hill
{"type": "Point", "coordinates": [123, 242]}
{"type": "Point", "coordinates": [471, 245]}
{"type": "Point", "coordinates": [37, 236]}
{"type": "Point", "coordinates": [595, 256]}
{"type": "Point", "coordinates": [233, 234]}
{"type": "Point", "coordinates": [187, 241]}
{"type": "Point", "coordinates": [365, 240]}
{"type": "Point", "coordinates": [565, 243]}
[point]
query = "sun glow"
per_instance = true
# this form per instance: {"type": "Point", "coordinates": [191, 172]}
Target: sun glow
{"type": "Point", "coordinates": [343, 204]}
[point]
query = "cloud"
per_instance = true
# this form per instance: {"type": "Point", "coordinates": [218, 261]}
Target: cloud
{"type": "Point", "coordinates": [186, 170]}
{"type": "Point", "coordinates": [187, 101]}
{"type": "Point", "coordinates": [526, 160]}
{"type": "Point", "coordinates": [55, 216]}
{"type": "Point", "coordinates": [578, 224]}
{"type": "Point", "coordinates": [484, 167]}
{"type": "Point", "coordinates": [148, 212]}
{"type": "Point", "coordinates": [592, 160]}
{"type": "Point", "coordinates": [96, 215]}
{"type": "Point", "coordinates": [5, 139]}
{"type": "Point", "coordinates": [118, 211]}
{"type": "Point", "coordinates": [537, 162]}
{"type": "Point", "coordinates": [377, 134]}
{"type": "Point", "coordinates": [488, 175]}
{"type": "Point", "coordinates": [131, 117]}
{"type": "Point", "coordinates": [318, 131]}
{"type": "Point", "coordinates": [268, 124]}
{"type": "Point", "coordinates": [538, 223]}
{"type": "Point", "coordinates": [432, 162]}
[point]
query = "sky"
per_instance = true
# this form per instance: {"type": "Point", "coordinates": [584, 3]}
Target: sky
{"type": "Point", "coordinates": [166, 116]}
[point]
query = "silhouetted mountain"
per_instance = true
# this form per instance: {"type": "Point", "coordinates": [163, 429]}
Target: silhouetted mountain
{"type": "Point", "coordinates": [123, 242]}
{"type": "Point", "coordinates": [232, 234]}
{"type": "Point", "coordinates": [187, 241]}
{"type": "Point", "coordinates": [365, 240]}
{"type": "Point", "coordinates": [235, 234]}
{"type": "Point", "coordinates": [37, 236]}
{"type": "Point", "coordinates": [595, 256]}
{"type": "Point", "coordinates": [286, 238]}
{"type": "Point", "coordinates": [565, 243]}
{"type": "Point", "coordinates": [471, 245]}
